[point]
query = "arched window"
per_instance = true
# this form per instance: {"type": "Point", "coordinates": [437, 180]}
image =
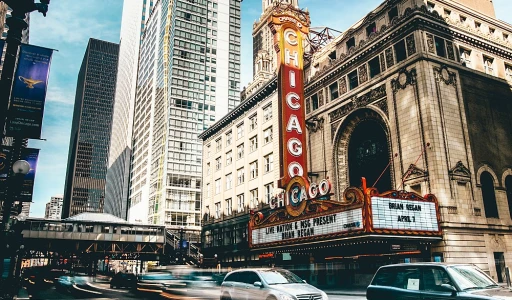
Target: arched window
{"type": "Point", "coordinates": [368, 156]}
{"type": "Point", "coordinates": [508, 186]}
{"type": "Point", "coordinates": [490, 206]}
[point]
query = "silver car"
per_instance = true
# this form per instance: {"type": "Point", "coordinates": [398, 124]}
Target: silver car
{"type": "Point", "coordinates": [268, 284]}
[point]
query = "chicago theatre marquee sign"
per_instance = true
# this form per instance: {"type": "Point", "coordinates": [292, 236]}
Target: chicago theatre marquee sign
{"type": "Point", "coordinates": [304, 211]}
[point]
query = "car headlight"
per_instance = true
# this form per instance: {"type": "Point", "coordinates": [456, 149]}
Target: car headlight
{"type": "Point", "coordinates": [324, 296]}
{"type": "Point", "coordinates": [286, 297]}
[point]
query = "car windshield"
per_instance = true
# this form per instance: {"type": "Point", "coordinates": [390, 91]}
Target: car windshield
{"type": "Point", "coordinates": [469, 277]}
{"type": "Point", "coordinates": [280, 277]}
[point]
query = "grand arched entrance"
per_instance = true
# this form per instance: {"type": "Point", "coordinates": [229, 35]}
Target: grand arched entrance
{"type": "Point", "coordinates": [363, 150]}
{"type": "Point", "coordinates": [368, 156]}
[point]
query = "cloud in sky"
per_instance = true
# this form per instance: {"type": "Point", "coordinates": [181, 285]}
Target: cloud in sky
{"type": "Point", "coordinates": [68, 27]}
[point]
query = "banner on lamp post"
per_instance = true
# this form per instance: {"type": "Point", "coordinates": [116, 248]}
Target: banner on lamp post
{"type": "Point", "coordinates": [5, 168]}
{"type": "Point", "coordinates": [31, 156]}
{"type": "Point", "coordinates": [2, 44]}
{"type": "Point", "coordinates": [29, 92]}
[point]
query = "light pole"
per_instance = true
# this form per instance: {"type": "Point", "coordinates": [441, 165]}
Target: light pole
{"type": "Point", "coordinates": [11, 240]}
{"type": "Point", "coordinates": [181, 253]}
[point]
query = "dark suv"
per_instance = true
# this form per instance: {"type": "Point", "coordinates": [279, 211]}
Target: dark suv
{"type": "Point", "coordinates": [435, 281]}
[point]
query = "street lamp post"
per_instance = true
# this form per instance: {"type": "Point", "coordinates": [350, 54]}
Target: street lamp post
{"type": "Point", "coordinates": [181, 253]}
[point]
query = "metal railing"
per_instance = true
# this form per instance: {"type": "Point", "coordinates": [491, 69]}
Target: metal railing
{"type": "Point", "coordinates": [192, 252]}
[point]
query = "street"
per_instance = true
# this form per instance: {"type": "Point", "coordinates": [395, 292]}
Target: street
{"type": "Point", "coordinates": [101, 290]}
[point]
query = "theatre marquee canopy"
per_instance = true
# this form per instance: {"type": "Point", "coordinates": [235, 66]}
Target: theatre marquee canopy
{"type": "Point", "coordinates": [360, 213]}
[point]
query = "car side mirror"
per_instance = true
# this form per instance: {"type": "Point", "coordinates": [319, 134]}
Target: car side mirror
{"type": "Point", "coordinates": [258, 284]}
{"type": "Point", "coordinates": [304, 281]}
{"type": "Point", "coordinates": [449, 288]}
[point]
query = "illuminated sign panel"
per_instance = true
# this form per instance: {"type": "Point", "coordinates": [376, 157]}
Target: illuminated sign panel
{"type": "Point", "coordinates": [397, 214]}
{"type": "Point", "coordinates": [340, 222]}
{"type": "Point", "coordinates": [291, 96]}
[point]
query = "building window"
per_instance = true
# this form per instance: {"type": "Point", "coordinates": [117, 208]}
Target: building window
{"type": "Point", "coordinates": [267, 112]}
{"type": "Point", "coordinates": [465, 57]}
{"type": "Point", "coordinates": [269, 190]}
{"type": "Point", "coordinates": [333, 90]}
{"type": "Point", "coordinates": [240, 176]}
{"type": "Point", "coordinates": [440, 46]}
{"type": "Point", "coordinates": [267, 135]}
{"type": "Point", "coordinates": [217, 186]}
{"type": "Point", "coordinates": [207, 190]}
{"type": "Point", "coordinates": [352, 80]}
{"type": "Point", "coordinates": [253, 122]}
{"type": "Point", "coordinates": [392, 13]}
{"type": "Point", "coordinates": [208, 167]}
{"type": "Point", "coordinates": [430, 6]}
{"type": "Point", "coordinates": [241, 202]}
{"type": "Point", "coordinates": [488, 195]}
{"type": "Point", "coordinates": [508, 72]}
{"type": "Point", "coordinates": [351, 43]}
{"type": "Point", "coordinates": [208, 151]}
{"type": "Point", "coordinates": [229, 181]}
{"type": "Point", "coordinates": [240, 131]}
{"type": "Point", "coordinates": [254, 169]}
{"type": "Point", "coordinates": [218, 163]}
{"type": "Point", "coordinates": [400, 53]}
{"type": "Point", "coordinates": [269, 162]}
{"type": "Point", "coordinates": [217, 210]}
{"type": "Point", "coordinates": [314, 101]}
{"type": "Point", "coordinates": [508, 187]}
{"type": "Point", "coordinates": [447, 13]}
{"type": "Point", "coordinates": [253, 202]}
{"type": "Point", "coordinates": [372, 28]}
{"type": "Point", "coordinates": [478, 25]}
{"type": "Point", "coordinates": [462, 19]}
{"type": "Point", "coordinates": [240, 151]}
{"type": "Point", "coordinates": [229, 206]}
{"type": "Point", "coordinates": [229, 158]}
{"type": "Point", "coordinates": [218, 144]}
{"type": "Point", "coordinates": [374, 65]}
{"type": "Point", "coordinates": [489, 65]}
{"type": "Point", "coordinates": [229, 138]}
{"type": "Point", "coordinates": [253, 143]}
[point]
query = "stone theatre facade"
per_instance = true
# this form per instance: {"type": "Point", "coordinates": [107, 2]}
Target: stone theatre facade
{"type": "Point", "coordinates": [407, 150]}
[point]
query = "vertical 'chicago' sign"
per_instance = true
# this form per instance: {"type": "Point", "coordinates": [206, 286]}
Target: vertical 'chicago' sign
{"type": "Point", "coordinates": [289, 30]}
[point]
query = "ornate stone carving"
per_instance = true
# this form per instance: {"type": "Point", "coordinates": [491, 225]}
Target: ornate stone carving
{"type": "Point", "coordinates": [449, 50]}
{"type": "Point", "coordinates": [390, 61]}
{"type": "Point", "coordinates": [343, 85]}
{"type": "Point", "coordinates": [363, 74]}
{"type": "Point", "coordinates": [442, 74]}
{"type": "Point", "coordinates": [404, 79]}
{"type": "Point", "coordinates": [321, 98]}
{"type": "Point", "coordinates": [334, 126]}
{"type": "Point", "coordinates": [371, 96]}
{"type": "Point", "coordinates": [430, 43]}
{"type": "Point", "coordinates": [383, 105]}
{"type": "Point", "coordinates": [460, 172]}
{"type": "Point", "coordinates": [411, 45]}
{"type": "Point", "coordinates": [314, 124]}
{"type": "Point", "coordinates": [308, 105]}
{"type": "Point", "coordinates": [382, 62]}
{"type": "Point", "coordinates": [414, 172]}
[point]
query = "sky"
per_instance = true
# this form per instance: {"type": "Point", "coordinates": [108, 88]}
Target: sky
{"type": "Point", "coordinates": [68, 27]}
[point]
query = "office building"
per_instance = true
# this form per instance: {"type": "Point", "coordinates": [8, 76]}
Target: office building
{"type": "Point", "coordinates": [118, 174]}
{"type": "Point", "coordinates": [188, 77]}
{"type": "Point", "coordinates": [90, 130]}
{"type": "Point", "coordinates": [53, 209]}
{"type": "Point", "coordinates": [403, 98]}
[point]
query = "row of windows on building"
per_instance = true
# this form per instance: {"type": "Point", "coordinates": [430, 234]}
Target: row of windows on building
{"type": "Point", "coordinates": [253, 145]}
{"type": "Point", "coordinates": [241, 205]}
{"type": "Point", "coordinates": [268, 166]}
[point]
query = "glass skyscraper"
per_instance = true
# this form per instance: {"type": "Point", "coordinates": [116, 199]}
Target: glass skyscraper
{"type": "Point", "coordinates": [90, 130]}
{"type": "Point", "coordinates": [188, 78]}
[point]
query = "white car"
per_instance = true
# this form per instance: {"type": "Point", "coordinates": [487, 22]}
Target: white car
{"type": "Point", "coordinates": [267, 284]}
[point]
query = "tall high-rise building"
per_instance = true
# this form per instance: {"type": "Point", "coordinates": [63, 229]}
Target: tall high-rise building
{"type": "Point", "coordinates": [188, 77]}
{"type": "Point", "coordinates": [90, 130]}
{"type": "Point", "coordinates": [53, 209]}
{"type": "Point", "coordinates": [132, 26]}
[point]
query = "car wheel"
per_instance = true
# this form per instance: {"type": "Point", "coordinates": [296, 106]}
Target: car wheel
{"type": "Point", "coordinates": [225, 297]}
{"type": "Point", "coordinates": [271, 298]}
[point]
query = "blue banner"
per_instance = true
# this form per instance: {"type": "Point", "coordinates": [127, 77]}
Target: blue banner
{"type": "Point", "coordinates": [29, 92]}
{"type": "Point", "coordinates": [30, 155]}
{"type": "Point", "coordinates": [5, 168]}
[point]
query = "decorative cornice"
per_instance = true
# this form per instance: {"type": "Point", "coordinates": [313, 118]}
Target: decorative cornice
{"type": "Point", "coordinates": [460, 172]}
{"type": "Point", "coordinates": [263, 93]}
{"type": "Point", "coordinates": [371, 96]}
{"type": "Point", "coordinates": [414, 172]}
